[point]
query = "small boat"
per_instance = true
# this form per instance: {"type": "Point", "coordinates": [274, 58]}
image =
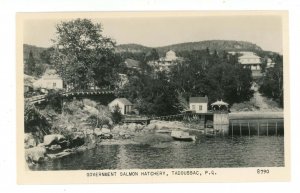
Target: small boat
{"type": "Point", "coordinates": [182, 136]}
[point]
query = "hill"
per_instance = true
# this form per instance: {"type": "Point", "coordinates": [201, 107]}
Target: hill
{"type": "Point", "coordinates": [227, 45]}
{"type": "Point", "coordinates": [36, 51]}
{"type": "Point", "coordinates": [132, 48]}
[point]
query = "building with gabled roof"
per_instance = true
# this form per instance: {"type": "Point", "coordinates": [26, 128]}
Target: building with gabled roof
{"type": "Point", "coordinates": [198, 104]}
{"type": "Point", "coordinates": [50, 80]}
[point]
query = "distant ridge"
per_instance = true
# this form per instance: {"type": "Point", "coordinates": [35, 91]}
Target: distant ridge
{"type": "Point", "coordinates": [132, 48]}
{"type": "Point", "coordinates": [227, 45]}
{"type": "Point", "coordinates": [219, 45]}
{"type": "Point", "coordinates": [36, 51]}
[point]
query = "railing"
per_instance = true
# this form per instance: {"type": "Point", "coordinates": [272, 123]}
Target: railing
{"type": "Point", "coordinates": [41, 98]}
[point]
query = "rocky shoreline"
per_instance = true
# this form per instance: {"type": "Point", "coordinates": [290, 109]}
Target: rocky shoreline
{"type": "Point", "coordinates": [56, 146]}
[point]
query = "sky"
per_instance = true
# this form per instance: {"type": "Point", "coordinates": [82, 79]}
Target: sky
{"type": "Point", "coordinates": [265, 31]}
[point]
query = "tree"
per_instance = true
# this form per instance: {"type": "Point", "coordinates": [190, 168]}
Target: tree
{"type": "Point", "coordinates": [34, 120]}
{"type": "Point", "coordinates": [54, 100]}
{"type": "Point", "coordinates": [151, 55]}
{"type": "Point", "coordinates": [45, 55]}
{"type": "Point", "coordinates": [82, 55]}
{"type": "Point", "coordinates": [272, 82]}
{"type": "Point", "coordinates": [116, 115]}
{"type": "Point", "coordinates": [30, 64]}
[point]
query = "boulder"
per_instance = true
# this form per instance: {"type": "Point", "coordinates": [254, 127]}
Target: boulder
{"type": "Point", "coordinates": [29, 141]}
{"type": "Point", "coordinates": [132, 127]}
{"type": "Point", "coordinates": [105, 130]}
{"type": "Point", "coordinates": [139, 128]}
{"type": "Point", "coordinates": [53, 139]}
{"type": "Point", "coordinates": [151, 126]}
{"type": "Point", "coordinates": [105, 126]}
{"type": "Point", "coordinates": [89, 131]}
{"type": "Point", "coordinates": [35, 154]}
{"type": "Point", "coordinates": [97, 132]}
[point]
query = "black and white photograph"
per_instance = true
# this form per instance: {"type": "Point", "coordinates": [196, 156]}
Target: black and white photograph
{"type": "Point", "coordinates": [172, 94]}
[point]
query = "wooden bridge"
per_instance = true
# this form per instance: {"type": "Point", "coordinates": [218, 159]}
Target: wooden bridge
{"type": "Point", "coordinates": [138, 120]}
{"type": "Point", "coordinates": [41, 98]}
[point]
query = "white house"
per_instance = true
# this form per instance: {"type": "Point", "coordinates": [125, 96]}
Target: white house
{"type": "Point", "coordinates": [50, 80]}
{"type": "Point", "coordinates": [198, 104]}
{"type": "Point", "coordinates": [251, 60]}
{"type": "Point", "coordinates": [164, 63]}
{"type": "Point", "coordinates": [124, 105]}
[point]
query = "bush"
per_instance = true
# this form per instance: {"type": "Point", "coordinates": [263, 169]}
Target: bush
{"type": "Point", "coordinates": [34, 120]}
{"type": "Point", "coordinates": [73, 107]}
{"type": "Point", "coordinates": [116, 115]}
{"type": "Point", "coordinates": [89, 103]}
{"type": "Point", "coordinates": [54, 99]}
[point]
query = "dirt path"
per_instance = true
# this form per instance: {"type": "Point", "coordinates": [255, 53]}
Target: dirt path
{"type": "Point", "coordinates": [257, 103]}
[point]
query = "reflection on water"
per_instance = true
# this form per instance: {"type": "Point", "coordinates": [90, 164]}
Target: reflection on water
{"type": "Point", "coordinates": [206, 152]}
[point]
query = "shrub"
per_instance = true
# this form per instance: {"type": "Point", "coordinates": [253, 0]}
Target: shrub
{"type": "Point", "coordinates": [34, 120]}
{"type": "Point", "coordinates": [54, 99]}
{"type": "Point", "coordinates": [89, 103]}
{"type": "Point", "coordinates": [116, 115]}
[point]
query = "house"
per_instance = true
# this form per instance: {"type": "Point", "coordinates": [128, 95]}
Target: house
{"type": "Point", "coordinates": [50, 80]}
{"type": "Point", "coordinates": [124, 105]}
{"type": "Point", "coordinates": [198, 104]}
{"type": "Point", "coordinates": [164, 63]}
{"type": "Point", "coordinates": [250, 60]}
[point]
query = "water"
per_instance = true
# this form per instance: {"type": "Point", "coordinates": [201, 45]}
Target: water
{"type": "Point", "coordinates": [244, 151]}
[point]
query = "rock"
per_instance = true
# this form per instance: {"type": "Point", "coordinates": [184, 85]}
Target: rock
{"type": "Point", "coordinates": [53, 139]}
{"type": "Point", "coordinates": [29, 140]}
{"type": "Point", "coordinates": [35, 154]}
{"type": "Point", "coordinates": [55, 147]}
{"type": "Point", "coordinates": [105, 130]}
{"type": "Point", "coordinates": [132, 127]}
{"type": "Point", "coordinates": [105, 126]}
{"type": "Point", "coordinates": [139, 128]}
{"type": "Point", "coordinates": [59, 155]}
{"type": "Point", "coordinates": [126, 136]}
{"type": "Point", "coordinates": [41, 145]}
{"type": "Point", "coordinates": [151, 126]}
{"type": "Point", "coordinates": [89, 131]}
{"type": "Point", "coordinates": [97, 132]}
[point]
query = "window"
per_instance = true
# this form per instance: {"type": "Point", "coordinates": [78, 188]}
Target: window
{"type": "Point", "coordinates": [200, 107]}
{"type": "Point", "coordinates": [193, 107]}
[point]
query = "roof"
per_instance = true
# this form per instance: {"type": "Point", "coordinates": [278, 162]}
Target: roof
{"type": "Point", "coordinates": [198, 99]}
{"type": "Point", "coordinates": [51, 74]}
{"type": "Point", "coordinates": [130, 63]}
{"type": "Point", "coordinates": [219, 103]}
{"type": "Point", "coordinates": [124, 101]}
